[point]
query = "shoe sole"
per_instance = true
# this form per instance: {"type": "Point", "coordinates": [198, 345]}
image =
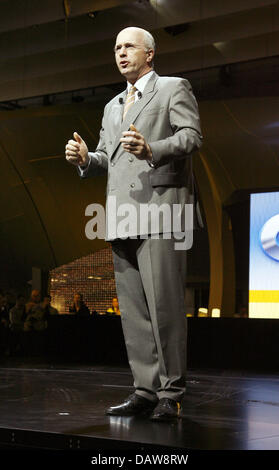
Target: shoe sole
{"type": "Point", "coordinates": [135, 413]}
{"type": "Point", "coordinates": [165, 418]}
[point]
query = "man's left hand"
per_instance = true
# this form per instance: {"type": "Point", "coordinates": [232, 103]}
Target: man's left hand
{"type": "Point", "coordinates": [134, 142]}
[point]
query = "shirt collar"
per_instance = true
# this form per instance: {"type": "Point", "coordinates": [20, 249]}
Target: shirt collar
{"type": "Point", "coordinates": [141, 82]}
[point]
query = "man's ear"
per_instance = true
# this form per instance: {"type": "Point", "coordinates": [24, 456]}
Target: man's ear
{"type": "Point", "coordinates": [150, 56]}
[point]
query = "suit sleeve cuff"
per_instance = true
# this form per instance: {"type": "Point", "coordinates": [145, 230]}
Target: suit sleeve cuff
{"type": "Point", "coordinates": [83, 169]}
{"type": "Point", "coordinates": [151, 162]}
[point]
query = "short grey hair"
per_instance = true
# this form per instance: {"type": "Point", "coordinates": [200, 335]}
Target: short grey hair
{"type": "Point", "coordinates": [149, 41]}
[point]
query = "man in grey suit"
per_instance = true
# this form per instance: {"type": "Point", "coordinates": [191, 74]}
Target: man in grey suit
{"type": "Point", "coordinates": [148, 135]}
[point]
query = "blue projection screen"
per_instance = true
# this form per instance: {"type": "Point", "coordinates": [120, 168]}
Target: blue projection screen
{"type": "Point", "coordinates": [264, 255]}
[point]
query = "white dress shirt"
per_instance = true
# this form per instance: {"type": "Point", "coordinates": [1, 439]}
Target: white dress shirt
{"type": "Point", "coordinates": [140, 84]}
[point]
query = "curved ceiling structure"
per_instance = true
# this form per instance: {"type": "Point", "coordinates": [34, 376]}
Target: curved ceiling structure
{"type": "Point", "coordinates": [53, 46]}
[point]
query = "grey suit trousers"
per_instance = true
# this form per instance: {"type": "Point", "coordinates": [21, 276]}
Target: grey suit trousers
{"type": "Point", "coordinates": [150, 284]}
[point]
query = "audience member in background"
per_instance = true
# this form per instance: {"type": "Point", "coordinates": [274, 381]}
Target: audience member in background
{"type": "Point", "coordinates": [4, 310]}
{"type": "Point", "coordinates": [35, 299]}
{"type": "Point", "coordinates": [48, 308]}
{"type": "Point", "coordinates": [35, 326]}
{"type": "Point", "coordinates": [79, 307]}
{"type": "Point", "coordinates": [10, 300]}
{"type": "Point", "coordinates": [4, 324]}
{"type": "Point", "coordinates": [17, 316]}
{"type": "Point", "coordinates": [35, 320]}
{"type": "Point", "coordinates": [114, 309]}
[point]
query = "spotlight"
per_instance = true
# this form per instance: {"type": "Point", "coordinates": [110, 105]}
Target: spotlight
{"type": "Point", "coordinates": [92, 14]}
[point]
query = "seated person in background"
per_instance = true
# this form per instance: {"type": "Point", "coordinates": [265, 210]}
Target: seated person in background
{"type": "Point", "coordinates": [114, 309]}
{"type": "Point", "coordinates": [34, 300]}
{"type": "Point", "coordinates": [11, 300]}
{"type": "Point", "coordinates": [17, 314]}
{"type": "Point", "coordinates": [48, 308]}
{"type": "Point", "coordinates": [35, 320]}
{"type": "Point", "coordinates": [79, 307]}
{"type": "Point", "coordinates": [4, 324]}
{"type": "Point", "coordinates": [4, 310]}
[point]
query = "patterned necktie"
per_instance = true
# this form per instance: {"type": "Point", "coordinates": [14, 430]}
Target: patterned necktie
{"type": "Point", "coordinates": [129, 100]}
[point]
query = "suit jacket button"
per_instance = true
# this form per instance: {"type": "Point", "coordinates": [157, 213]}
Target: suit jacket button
{"type": "Point", "coordinates": [130, 159]}
{"type": "Point", "coordinates": [112, 163]}
{"type": "Point", "coordinates": [132, 185]}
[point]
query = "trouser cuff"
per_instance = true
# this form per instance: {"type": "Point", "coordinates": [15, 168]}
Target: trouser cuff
{"type": "Point", "coordinates": [148, 396]}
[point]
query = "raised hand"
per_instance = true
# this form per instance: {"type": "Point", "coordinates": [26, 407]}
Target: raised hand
{"type": "Point", "coordinates": [134, 142]}
{"type": "Point", "coordinates": [77, 151]}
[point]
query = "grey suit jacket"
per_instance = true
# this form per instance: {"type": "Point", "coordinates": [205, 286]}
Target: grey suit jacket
{"type": "Point", "coordinates": [167, 116]}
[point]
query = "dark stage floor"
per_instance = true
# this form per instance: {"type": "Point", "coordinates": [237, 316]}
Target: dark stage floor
{"type": "Point", "coordinates": [61, 407]}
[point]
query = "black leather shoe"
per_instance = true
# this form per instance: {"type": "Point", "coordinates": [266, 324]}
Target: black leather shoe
{"type": "Point", "coordinates": [133, 405]}
{"type": "Point", "coordinates": [166, 410]}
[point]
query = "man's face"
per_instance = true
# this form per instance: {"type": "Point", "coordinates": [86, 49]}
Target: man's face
{"type": "Point", "coordinates": [77, 298]}
{"type": "Point", "coordinates": [36, 296]}
{"type": "Point", "coordinates": [132, 59]}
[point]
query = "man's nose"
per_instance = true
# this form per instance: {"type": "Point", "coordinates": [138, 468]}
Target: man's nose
{"type": "Point", "coordinates": [123, 51]}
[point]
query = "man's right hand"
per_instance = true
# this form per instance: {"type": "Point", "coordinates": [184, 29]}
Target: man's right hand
{"type": "Point", "coordinates": [77, 151]}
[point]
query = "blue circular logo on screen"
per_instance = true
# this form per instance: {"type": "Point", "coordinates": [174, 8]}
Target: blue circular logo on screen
{"type": "Point", "coordinates": [269, 237]}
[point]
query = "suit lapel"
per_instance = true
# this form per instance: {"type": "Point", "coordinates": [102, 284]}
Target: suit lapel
{"type": "Point", "coordinates": [117, 112]}
{"type": "Point", "coordinates": [135, 110]}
